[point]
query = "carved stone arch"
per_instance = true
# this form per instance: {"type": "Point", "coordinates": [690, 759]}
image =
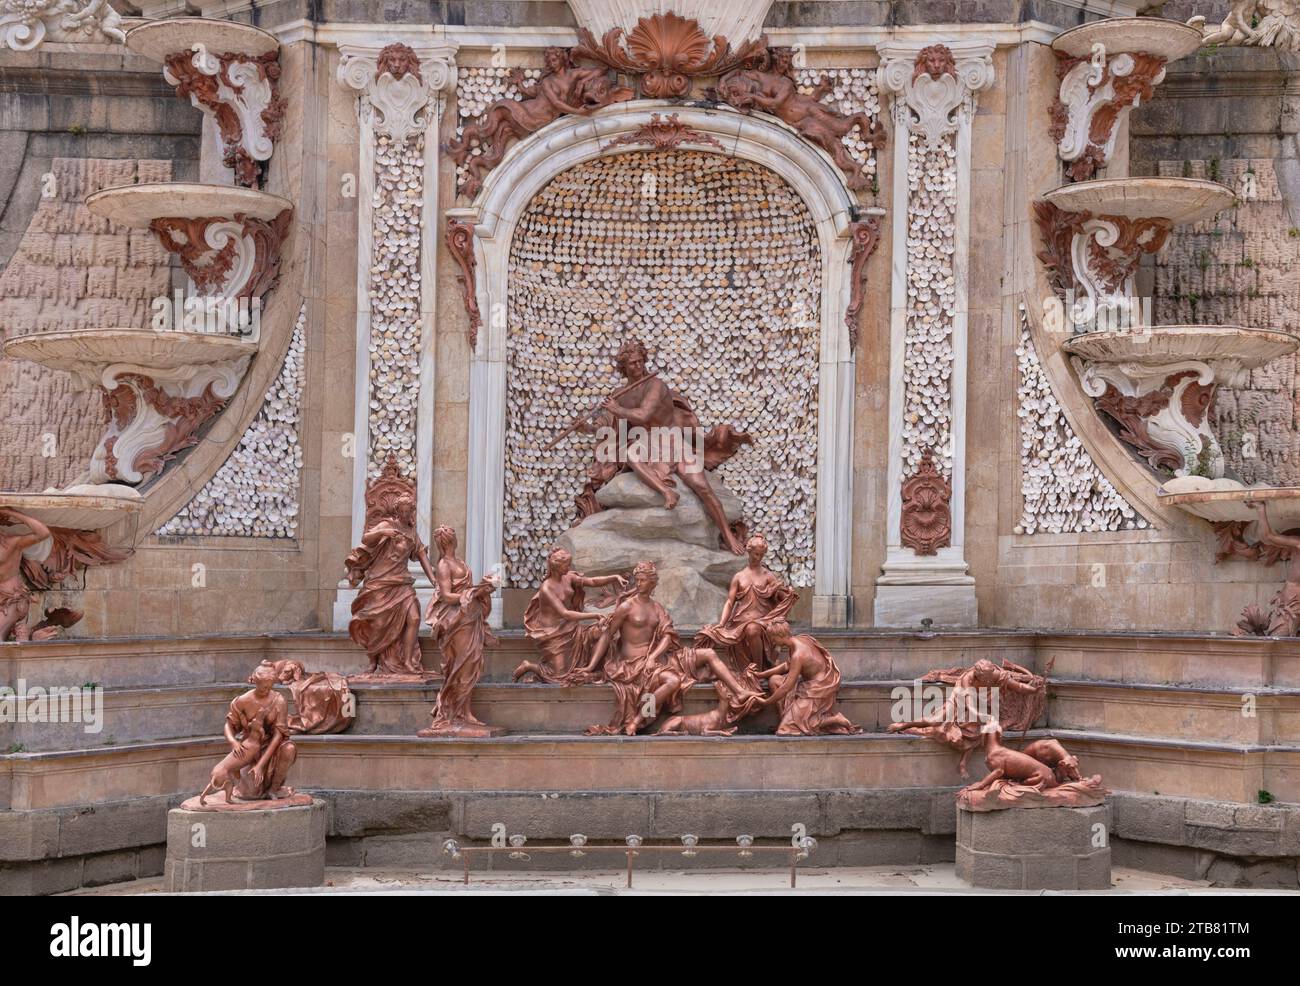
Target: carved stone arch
{"type": "Point", "coordinates": [570, 141]}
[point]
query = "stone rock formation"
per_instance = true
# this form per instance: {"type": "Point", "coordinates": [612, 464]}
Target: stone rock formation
{"type": "Point", "coordinates": [694, 573]}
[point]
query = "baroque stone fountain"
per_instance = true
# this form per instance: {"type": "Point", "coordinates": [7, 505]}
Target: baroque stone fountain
{"type": "Point", "coordinates": [161, 384]}
{"type": "Point", "coordinates": [1156, 383]}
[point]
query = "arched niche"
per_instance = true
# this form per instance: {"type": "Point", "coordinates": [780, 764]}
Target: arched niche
{"type": "Point", "coordinates": [533, 163]}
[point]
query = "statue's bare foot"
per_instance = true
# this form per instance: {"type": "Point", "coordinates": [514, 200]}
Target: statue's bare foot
{"type": "Point", "coordinates": [671, 498]}
{"type": "Point", "coordinates": [732, 542]}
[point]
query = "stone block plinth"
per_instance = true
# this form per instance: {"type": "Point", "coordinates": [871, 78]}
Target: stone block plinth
{"type": "Point", "coordinates": [259, 849]}
{"type": "Point", "coordinates": [1035, 848]}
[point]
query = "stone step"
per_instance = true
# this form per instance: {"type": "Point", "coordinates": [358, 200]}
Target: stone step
{"type": "Point", "coordinates": [549, 763]}
{"type": "Point", "coordinates": [1211, 661]}
{"type": "Point", "coordinates": [145, 714]}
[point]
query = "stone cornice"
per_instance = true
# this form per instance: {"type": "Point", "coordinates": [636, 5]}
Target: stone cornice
{"type": "Point", "coordinates": [471, 37]}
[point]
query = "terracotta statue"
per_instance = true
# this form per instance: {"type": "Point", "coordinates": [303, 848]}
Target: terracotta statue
{"type": "Point", "coordinates": [386, 613]}
{"type": "Point", "coordinates": [756, 600]}
{"type": "Point", "coordinates": [458, 614]}
{"type": "Point", "coordinates": [555, 618]}
{"type": "Point", "coordinates": [1021, 698]}
{"type": "Point", "coordinates": [1284, 620]}
{"type": "Point", "coordinates": [1042, 775]}
{"type": "Point", "coordinates": [739, 694]}
{"type": "Point", "coordinates": [253, 773]}
{"type": "Point", "coordinates": [634, 645]}
{"type": "Point", "coordinates": [563, 88]}
{"type": "Point", "coordinates": [322, 701]}
{"type": "Point", "coordinates": [805, 686]}
{"type": "Point", "coordinates": [774, 90]}
{"type": "Point", "coordinates": [15, 597]}
{"type": "Point", "coordinates": [646, 402]}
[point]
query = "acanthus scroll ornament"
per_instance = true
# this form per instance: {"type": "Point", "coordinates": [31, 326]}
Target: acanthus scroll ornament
{"type": "Point", "coordinates": [241, 93]}
{"type": "Point", "coordinates": [460, 241]}
{"type": "Point", "coordinates": [663, 135]}
{"type": "Point", "coordinates": [235, 258]}
{"type": "Point", "coordinates": [1091, 101]}
{"type": "Point", "coordinates": [865, 237]}
{"type": "Point", "coordinates": [1163, 412]}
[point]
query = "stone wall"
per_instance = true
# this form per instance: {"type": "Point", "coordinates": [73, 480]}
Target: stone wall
{"type": "Point", "coordinates": [71, 270]}
{"type": "Point", "coordinates": [74, 120]}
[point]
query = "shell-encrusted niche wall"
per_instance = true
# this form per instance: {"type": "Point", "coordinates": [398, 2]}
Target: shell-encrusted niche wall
{"type": "Point", "coordinates": [714, 263]}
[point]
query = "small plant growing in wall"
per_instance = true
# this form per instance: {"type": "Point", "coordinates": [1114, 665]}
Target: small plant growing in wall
{"type": "Point", "coordinates": [77, 130]}
{"type": "Point", "coordinates": [1216, 170]}
{"type": "Point", "coordinates": [1264, 797]}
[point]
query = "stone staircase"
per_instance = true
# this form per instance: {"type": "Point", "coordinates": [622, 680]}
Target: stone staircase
{"type": "Point", "coordinates": [1160, 717]}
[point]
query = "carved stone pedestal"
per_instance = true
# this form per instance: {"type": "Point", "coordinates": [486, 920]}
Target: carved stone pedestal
{"type": "Point", "coordinates": [1035, 848]}
{"type": "Point", "coordinates": [254, 849]}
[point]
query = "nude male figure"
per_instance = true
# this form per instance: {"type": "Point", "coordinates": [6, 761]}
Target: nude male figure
{"type": "Point", "coordinates": [652, 404]}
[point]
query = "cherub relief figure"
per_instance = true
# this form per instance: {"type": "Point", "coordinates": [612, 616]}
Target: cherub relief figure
{"type": "Point", "coordinates": [805, 686]}
{"type": "Point", "coordinates": [1022, 696]}
{"type": "Point", "coordinates": [556, 622]}
{"type": "Point", "coordinates": [562, 89]}
{"type": "Point", "coordinates": [261, 753]}
{"type": "Point", "coordinates": [756, 600]}
{"type": "Point", "coordinates": [386, 612]}
{"type": "Point", "coordinates": [458, 614]}
{"type": "Point", "coordinates": [775, 91]}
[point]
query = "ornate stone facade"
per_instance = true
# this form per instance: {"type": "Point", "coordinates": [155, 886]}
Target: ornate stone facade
{"type": "Point", "coordinates": [1062, 490]}
{"type": "Point", "coordinates": [255, 493]}
{"type": "Point", "coordinates": [401, 93]}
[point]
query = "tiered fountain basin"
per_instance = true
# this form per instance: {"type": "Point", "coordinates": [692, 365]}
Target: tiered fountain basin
{"type": "Point", "coordinates": [84, 508]}
{"type": "Point", "coordinates": [88, 353]}
{"type": "Point", "coordinates": [1223, 501]}
{"type": "Point", "coordinates": [1165, 39]}
{"type": "Point", "coordinates": [158, 39]}
{"type": "Point", "coordinates": [1106, 68]}
{"type": "Point", "coordinates": [231, 73]}
{"type": "Point", "coordinates": [141, 205]}
{"type": "Point", "coordinates": [1173, 201]}
{"type": "Point", "coordinates": [1231, 350]}
{"type": "Point", "coordinates": [159, 389]}
{"type": "Point", "coordinates": [228, 239]}
{"type": "Point", "coordinates": [1155, 382]}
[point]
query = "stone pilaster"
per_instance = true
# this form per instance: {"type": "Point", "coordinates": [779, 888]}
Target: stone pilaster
{"type": "Point", "coordinates": [934, 90]}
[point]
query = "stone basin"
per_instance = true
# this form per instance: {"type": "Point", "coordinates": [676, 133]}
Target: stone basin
{"type": "Point", "coordinates": [1178, 200]}
{"type": "Point", "coordinates": [140, 205]}
{"type": "Point", "coordinates": [1224, 500]}
{"type": "Point", "coordinates": [84, 511]}
{"type": "Point", "coordinates": [158, 39]}
{"type": "Point", "coordinates": [1161, 345]}
{"type": "Point", "coordinates": [87, 352]}
{"type": "Point", "coordinates": [1170, 40]}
